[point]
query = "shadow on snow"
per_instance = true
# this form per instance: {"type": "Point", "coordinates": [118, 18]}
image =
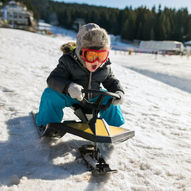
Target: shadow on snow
{"type": "Point", "coordinates": [26, 155]}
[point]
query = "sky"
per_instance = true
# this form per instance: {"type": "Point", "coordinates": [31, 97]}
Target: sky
{"type": "Point", "coordinates": [177, 4]}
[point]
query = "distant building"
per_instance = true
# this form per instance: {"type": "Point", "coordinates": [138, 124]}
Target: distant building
{"type": "Point", "coordinates": [53, 20]}
{"type": "Point", "coordinates": [163, 46]}
{"type": "Point", "coordinates": [78, 23]}
{"type": "Point", "coordinates": [15, 14]}
{"type": "Point", "coordinates": [188, 43]}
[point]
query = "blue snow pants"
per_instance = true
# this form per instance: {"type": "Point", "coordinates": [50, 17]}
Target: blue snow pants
{"type": "Point", "coordinates": [52, 105]}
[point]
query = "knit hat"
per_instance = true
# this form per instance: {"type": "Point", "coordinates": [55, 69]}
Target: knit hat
{"type": "Point", "coordinates": [91, 36]}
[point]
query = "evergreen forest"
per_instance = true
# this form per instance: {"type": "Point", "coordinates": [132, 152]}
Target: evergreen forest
{"type": "Point", "coordinates": [130, 24]}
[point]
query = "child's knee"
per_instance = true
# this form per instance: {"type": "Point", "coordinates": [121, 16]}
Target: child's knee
{"type": "Point", "coordinates": [51, 97]}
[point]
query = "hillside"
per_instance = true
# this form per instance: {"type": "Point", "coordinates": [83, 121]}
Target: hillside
{"type": "Point", "coordinates": [158, 158]}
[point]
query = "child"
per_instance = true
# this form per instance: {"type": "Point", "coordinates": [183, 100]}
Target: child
{"type": "Point", "coordinates": [87, 66]}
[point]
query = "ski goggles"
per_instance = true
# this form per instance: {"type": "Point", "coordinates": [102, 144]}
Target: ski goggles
{"type": "Point", "coordinates": [90, 55]}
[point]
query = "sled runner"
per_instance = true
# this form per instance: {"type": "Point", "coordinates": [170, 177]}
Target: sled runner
{"type": "Point", "coordinates": [91, 128]}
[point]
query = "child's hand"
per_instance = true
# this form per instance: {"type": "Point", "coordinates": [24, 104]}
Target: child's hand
{"type": "Point", "coordinates": [75, 91]}
{"type": "Point", "coordinates": [120, 100]}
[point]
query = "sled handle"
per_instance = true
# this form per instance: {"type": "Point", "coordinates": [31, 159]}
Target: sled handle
{"type": "Point", "coordinates": [100, 92]}
{"type": "Point", "coordinates": [98, 104]}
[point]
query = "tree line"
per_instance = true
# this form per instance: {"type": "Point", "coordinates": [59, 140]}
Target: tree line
{"type": "Point", "coordinates": [131, 24]}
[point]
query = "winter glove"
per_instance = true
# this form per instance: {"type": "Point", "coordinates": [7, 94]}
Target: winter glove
{"type": "Point", "coordinates": [120, 100]}
{"type": "Point", "coordinates": [75, 91]}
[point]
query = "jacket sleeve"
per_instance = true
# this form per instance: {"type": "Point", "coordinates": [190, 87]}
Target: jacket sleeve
{"type": "Point", "coordinates": [59, 78]}
{"type": "Point", "coordinates": [111, 83]}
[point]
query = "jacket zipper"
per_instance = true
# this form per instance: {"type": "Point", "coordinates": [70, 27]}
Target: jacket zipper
{"type": "Point", "coordinates": [89, 86]}
{"type": "Point", "coordinates": [90, 75]}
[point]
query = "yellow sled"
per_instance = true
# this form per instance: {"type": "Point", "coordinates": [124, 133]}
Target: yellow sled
{"type": "Point", "coordinates": [90, 127]}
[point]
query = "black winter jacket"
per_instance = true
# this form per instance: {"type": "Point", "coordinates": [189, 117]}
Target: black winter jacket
{"type": "Point", "coordinates": [69, 69]}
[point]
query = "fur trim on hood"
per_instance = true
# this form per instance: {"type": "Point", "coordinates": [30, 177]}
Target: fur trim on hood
{"type": "Point", "coordinates": [68, 47]}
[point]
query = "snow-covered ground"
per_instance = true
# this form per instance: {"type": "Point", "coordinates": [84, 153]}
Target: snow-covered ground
{"type": "Point", "coordinates": [157, 106]}
{"type": "Point", "coordinates": [56, 30]}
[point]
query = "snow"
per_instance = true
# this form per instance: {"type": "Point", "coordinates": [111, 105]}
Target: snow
{"type": "Point", "coordinates": [56, 30]}
{"type": "Point", "coordinates": [157, 108]}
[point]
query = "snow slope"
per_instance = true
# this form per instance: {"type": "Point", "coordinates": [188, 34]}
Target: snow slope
{"type": "Point", "coordinates": [157, 107]}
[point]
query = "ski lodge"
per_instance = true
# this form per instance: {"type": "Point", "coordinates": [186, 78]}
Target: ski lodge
{"type": "Point", "coordinates": [172, 47]}
{"type": "Point", "coordinates": [16, 15]}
